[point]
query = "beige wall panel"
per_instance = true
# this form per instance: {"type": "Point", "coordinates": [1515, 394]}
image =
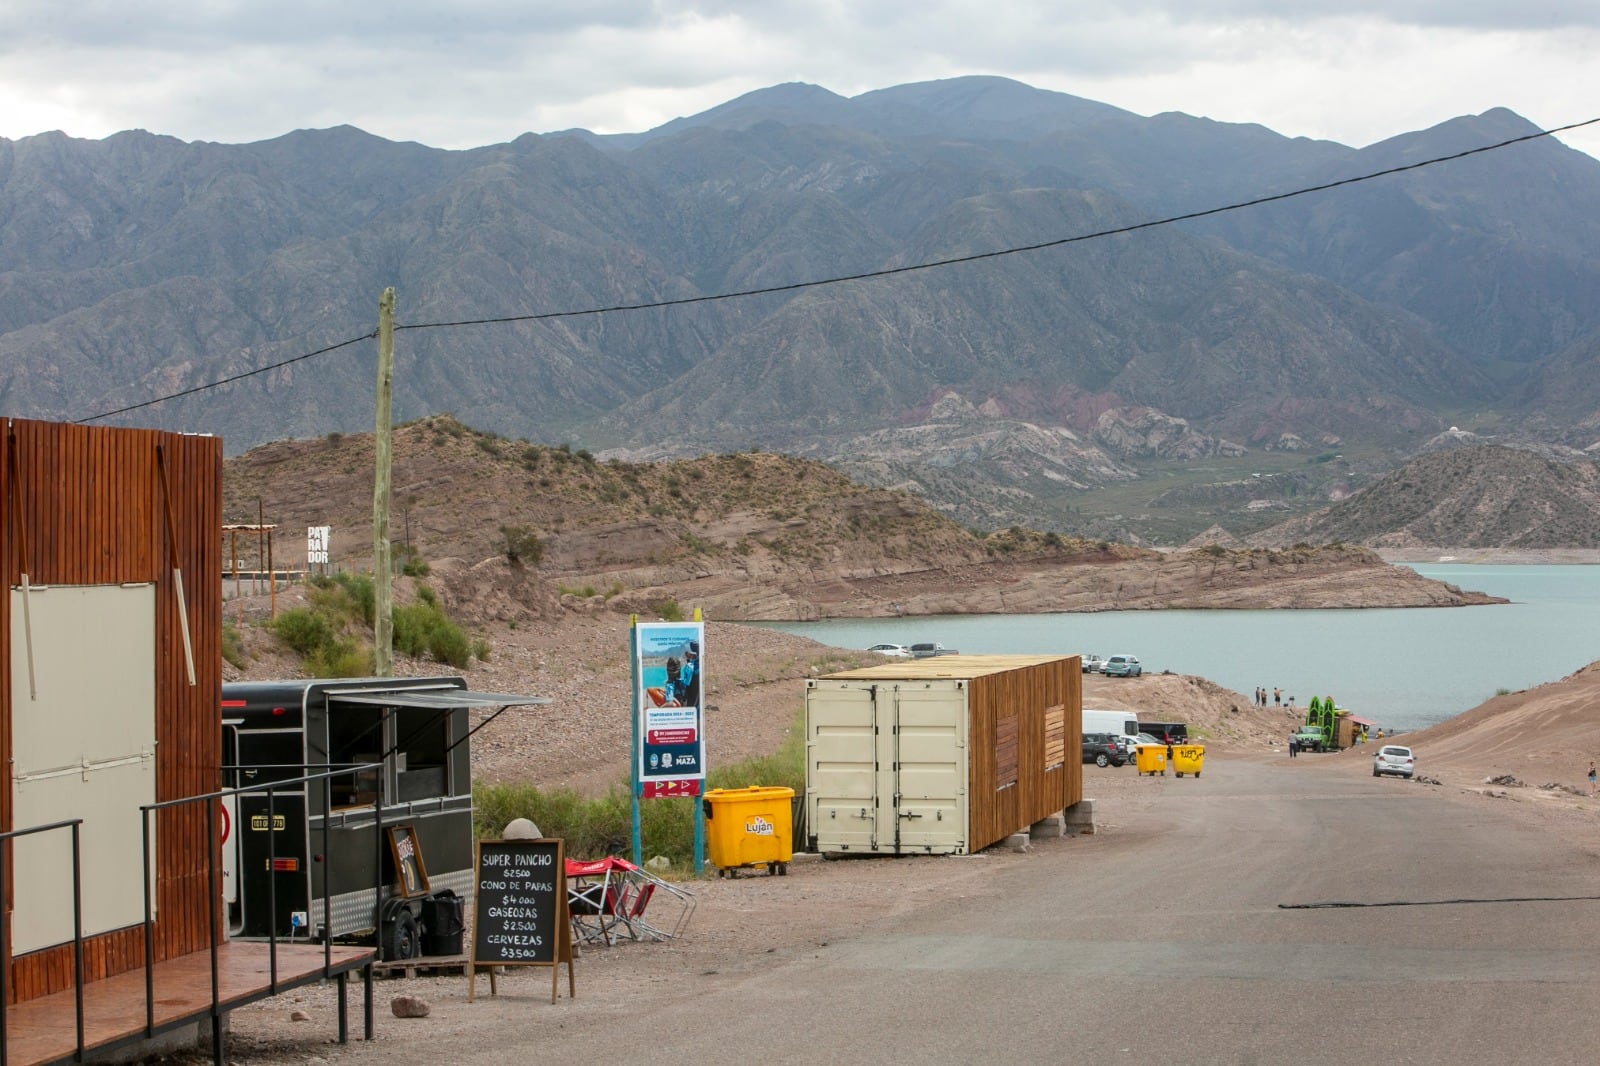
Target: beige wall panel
{"type": "Point", "coordinates": [83, 747]}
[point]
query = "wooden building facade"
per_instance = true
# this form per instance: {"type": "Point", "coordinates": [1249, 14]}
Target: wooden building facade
{"type": "Point", "coordinates": [110, 677]}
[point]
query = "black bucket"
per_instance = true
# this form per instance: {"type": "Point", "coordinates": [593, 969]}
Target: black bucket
{"type": "Point", "coordinates": [443, 923]}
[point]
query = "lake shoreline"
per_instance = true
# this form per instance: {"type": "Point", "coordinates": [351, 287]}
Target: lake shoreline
{"type": "Point", "coordinates": [1398, 665]}
{"type": "Point", "coordinates": [1493, 556]}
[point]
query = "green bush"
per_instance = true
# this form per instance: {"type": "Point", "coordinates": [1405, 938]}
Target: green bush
{"type": "Point", "coordinates": [448, 644]}
{"type": "Point", "coordinates": [303, 629]}
{"type": "Point", "coordinates": [522, 546]}
{"type": "Point", "coordinates": [232, 649]}
{"type": "Point", "coordinates": [321, 634]}
{"type": "Point", "coordinates": [344, 657]}
{"type": "Point", "coordinates": [344, 596]}
{"type": "Point", "coordinates": [422, 630]}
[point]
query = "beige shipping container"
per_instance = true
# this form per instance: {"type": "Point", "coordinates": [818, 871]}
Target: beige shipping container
{"type": "Point", "coordinates": [941, 756]}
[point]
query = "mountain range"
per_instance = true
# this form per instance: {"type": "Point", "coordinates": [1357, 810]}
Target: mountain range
{"type": "Point", "coordinates": [1269, 359]}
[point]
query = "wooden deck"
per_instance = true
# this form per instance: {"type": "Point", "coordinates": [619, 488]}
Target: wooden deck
{"type": "Point", "coordinates": [44, 1030]}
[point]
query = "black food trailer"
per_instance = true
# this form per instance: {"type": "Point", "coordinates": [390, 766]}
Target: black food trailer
{"type": "Point", "coordinates": [369, 832]}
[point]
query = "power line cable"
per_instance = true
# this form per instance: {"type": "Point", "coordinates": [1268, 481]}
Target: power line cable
{"type": "Point", "coordinates": [231, 380]}
{"type": "Point", "coordinates": [868, 275]}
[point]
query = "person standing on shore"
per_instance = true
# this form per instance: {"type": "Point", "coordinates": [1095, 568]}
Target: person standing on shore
{"type": "Point", "coordinates": [1277, 696]}
{"type": "Point", "coordinates": [1591, 777]}
{"type": "Point", "coordinates": [1294, 746]}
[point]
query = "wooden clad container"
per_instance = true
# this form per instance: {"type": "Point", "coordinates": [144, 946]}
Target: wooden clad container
{"type": "Point", "coordinates": [946, 755]}
{"type": "Point", "coordinates": [96, 526]}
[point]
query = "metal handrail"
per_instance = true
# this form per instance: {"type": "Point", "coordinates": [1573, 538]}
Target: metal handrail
{"type": "Point", "coordinates": [271, 788]}
{"type": "Point", "coordinates": [76, 825]}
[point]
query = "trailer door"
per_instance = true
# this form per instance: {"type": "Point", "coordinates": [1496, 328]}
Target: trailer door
{"type": "Point", "coordinates": [273, 856]}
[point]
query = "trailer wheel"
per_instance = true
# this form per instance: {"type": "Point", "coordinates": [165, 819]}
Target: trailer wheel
{"type": "Point", "coordinates": [400, 937]}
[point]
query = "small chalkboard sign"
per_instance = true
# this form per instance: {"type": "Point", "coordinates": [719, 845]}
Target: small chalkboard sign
{"type": "Point", "coordinates": [409, 868]}
{"type": "Point", "coordinates": [520, 916]}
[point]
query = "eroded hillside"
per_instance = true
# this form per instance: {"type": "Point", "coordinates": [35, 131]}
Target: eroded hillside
{"type": "Point", "coordinates": [744, 536]}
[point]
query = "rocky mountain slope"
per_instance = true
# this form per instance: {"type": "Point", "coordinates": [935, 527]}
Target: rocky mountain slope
{"type": "Point", "coordinates": [1464, 495]}
{"type": "Point", "coordinates": [1014, 389]}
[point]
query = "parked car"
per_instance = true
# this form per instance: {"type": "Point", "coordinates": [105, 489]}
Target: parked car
{"type": "Point", "coordinates": [899, 651]}
{"type": "Point", "coordinates": [928, 651]}
{"type": "Point", "coordinates": [1102, 749]}
{"type": "Point", "coordinates": [1122, 666]}
{"type": "Point", "coordinates": [1394, 759]}
{"type": "Point", "coordinates": [1092, 663]}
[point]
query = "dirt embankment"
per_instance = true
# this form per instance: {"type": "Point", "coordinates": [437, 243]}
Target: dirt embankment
{"type": "Point", "coordinates": [746, 537]}
{"type": "Point", "coordinates": [1195, 580]}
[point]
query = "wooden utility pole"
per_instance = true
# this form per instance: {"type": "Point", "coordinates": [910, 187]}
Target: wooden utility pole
{"type": "Point", "coordinates": [382, 571]}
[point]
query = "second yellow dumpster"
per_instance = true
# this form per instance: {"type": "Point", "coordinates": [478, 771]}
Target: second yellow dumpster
{"type": "Point", "coordinates": [750, 827]}
{"type": "Point", "coordinates": [1151, 759]}
{"type": "Point", "coordinates": [1186, 759]}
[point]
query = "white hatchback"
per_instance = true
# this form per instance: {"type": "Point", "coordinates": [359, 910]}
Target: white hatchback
{"type": "Point", "coordinates": [899, 651]}
{"type": "Point", "coordinates": [1394, 759]}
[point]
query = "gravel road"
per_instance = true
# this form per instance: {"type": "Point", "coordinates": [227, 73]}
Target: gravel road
{"type": "Point", "coordinates": [1199, 902]}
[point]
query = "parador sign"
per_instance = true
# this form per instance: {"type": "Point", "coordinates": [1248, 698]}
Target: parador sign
{"type": "Point", "coordinates": [520, 917]}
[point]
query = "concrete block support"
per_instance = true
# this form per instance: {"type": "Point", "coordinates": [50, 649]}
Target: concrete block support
{"type": "Point", "coordinates": [1080, 818]}
{"type": "Point", "coordinates": [1051, 825]}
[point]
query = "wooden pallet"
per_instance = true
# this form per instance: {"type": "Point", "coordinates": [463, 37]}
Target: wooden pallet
{"type": "Point", "coordinates": [435, 965]}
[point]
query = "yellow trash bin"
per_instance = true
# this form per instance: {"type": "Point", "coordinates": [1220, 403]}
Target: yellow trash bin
{"type": "Point", "coordinates": [1151, 759]}
{"type": "Point", "coordinates": [1186, 758]}
{"type": "Point", "coordinates": [750, 827]}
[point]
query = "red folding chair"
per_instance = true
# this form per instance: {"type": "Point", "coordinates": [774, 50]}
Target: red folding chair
{"type": "Point", "coordinates": [593, 895]}
{"type": "Point", "coordinates": [640, 888]}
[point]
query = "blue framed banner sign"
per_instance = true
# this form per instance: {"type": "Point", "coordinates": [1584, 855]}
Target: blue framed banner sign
{"type": "Point", "coordinates": [669, 663]}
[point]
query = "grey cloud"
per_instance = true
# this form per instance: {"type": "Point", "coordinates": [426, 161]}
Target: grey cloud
{"type": "Point", "coordinates": [1445, 14]}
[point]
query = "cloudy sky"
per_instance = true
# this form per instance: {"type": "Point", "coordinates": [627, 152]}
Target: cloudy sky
{"type": "Point", "coordinates": [474, 72]}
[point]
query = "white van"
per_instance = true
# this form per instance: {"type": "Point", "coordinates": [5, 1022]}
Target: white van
{"type": "Point", "coordinates": [1124, 724]}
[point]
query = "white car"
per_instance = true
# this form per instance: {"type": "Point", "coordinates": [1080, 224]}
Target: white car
{"type": "Point", "coordinates": [1394, 759]}
{"type": "Point", "coordinates": [899, 651]}
{"type": "Point", "coordinates": [1092, 663]}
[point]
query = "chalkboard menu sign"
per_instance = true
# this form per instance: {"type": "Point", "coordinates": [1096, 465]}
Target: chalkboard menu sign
{"type": "Point", "coordinates": [408, 865]}
{"type": "Point", "coordinates": [520, 916]}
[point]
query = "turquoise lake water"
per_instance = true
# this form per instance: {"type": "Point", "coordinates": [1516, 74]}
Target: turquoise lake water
{"type": "Point", "coordinates": [1401, 668]}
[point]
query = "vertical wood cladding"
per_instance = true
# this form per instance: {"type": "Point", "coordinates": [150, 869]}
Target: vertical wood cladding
{"type": "Point", "coordinates": [1044, 783]}
{"type": "Point", "coordinates": [87, 505]}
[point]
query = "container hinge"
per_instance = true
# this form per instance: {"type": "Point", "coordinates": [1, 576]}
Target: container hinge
{"type": "Point", "coordinates": [909, 814]}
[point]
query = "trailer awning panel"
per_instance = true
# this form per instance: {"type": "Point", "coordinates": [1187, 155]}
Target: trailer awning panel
{"type": "Point", "coordinates": [445, 699]}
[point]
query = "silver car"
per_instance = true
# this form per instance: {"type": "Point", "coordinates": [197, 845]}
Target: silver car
{"type": "Point", "coordinates": [1394, 759]}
